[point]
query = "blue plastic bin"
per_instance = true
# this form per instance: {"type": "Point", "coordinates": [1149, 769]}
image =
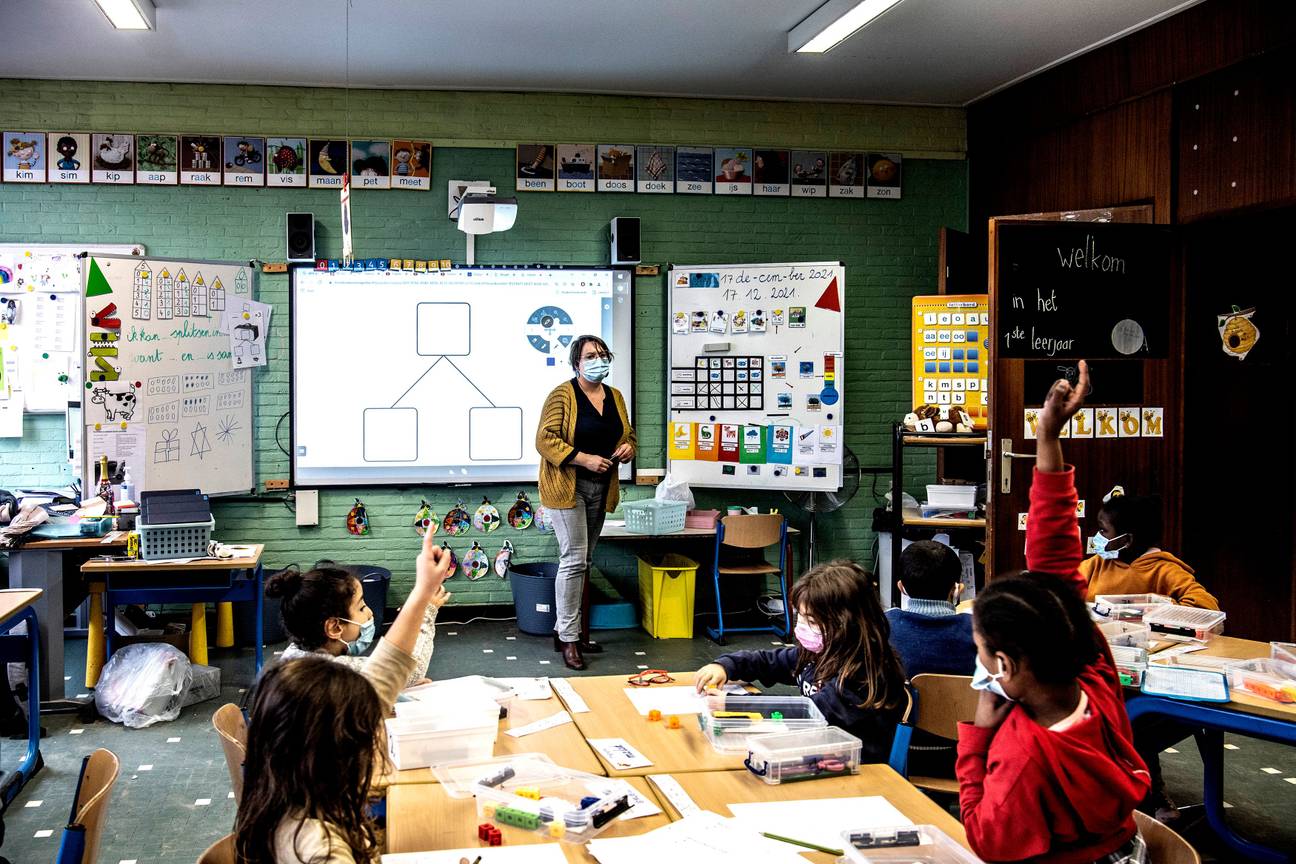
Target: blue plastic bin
{"type": "Point", "coordinates": [533, 596]}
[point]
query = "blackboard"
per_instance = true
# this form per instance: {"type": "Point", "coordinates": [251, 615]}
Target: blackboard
{"type": "Point", "coordinates": [1071, 290]}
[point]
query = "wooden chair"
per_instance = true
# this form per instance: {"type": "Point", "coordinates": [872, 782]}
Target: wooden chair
{"type": "Point", "coordinates": [231, 726]}
{"type": "Point", "coordinates": [80, 841]}
{"type": "Point", "coordinates": [939, 702]}
{"type": "Point", "coordinates": [220, 852]}
{"type": "Point", "coordinates": [1165, 846]}
{"type": "Point", "coordinates": [750, 532]}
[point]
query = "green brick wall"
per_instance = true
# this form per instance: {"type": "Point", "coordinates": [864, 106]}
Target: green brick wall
{"type": "Point", "coordinates": [889, 247]}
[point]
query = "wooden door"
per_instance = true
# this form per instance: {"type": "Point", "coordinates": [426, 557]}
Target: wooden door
{"type": "Point", "coordinates": [1152, 377]}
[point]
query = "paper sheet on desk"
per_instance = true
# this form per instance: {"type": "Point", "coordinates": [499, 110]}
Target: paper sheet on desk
{"type": "Point", "coordinates": [820, 820]}
{"type": "Point", "coordinates": [704, 836]}
{"type": "Point", "coordinates": [680, 699]}
{"type": "Point", "coordinates": [529, 689]}
{"type": "Point", "coordinates": [538, 853]}
{"type": "Point", "coordinates": [619, 753]}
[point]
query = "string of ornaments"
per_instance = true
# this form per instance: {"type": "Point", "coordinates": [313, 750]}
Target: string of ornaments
{"type": "Point", "coordinates": [476, 564]}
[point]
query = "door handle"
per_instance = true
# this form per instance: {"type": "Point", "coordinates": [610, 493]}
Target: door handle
{"type": "Point", "coordinates": [1006, 455]}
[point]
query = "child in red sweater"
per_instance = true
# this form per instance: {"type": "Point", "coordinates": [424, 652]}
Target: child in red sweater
{"type": "Point", "coordinates": [1048, 770]}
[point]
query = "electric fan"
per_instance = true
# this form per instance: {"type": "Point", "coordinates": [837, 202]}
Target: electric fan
{"type": "Point", "coordinates": [826, 502]}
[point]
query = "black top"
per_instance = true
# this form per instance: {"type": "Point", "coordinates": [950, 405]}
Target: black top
{"type": "Point", "coordinates": [598, 434]}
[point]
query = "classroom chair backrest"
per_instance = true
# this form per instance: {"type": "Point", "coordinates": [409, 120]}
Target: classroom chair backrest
{"type": "Point", "coordinates": [231, 726]}
{"type": "Point", "coordinates": [220, 852]}
{"type": "Point", "coordinates": [752, 532]}
{"type": "Point", "coordinates": [1165, 846]}
{"type": "Point", "coordinates": [80, 841]}
{"type": "Point", "coordinates": [941, 702]}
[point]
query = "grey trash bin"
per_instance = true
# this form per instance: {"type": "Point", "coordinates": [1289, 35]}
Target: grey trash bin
{"type": "Point", "coordinates": [533, 596]}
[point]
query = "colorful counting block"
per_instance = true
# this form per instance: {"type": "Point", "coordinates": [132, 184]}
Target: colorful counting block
{"type": "Point", "coordinates": [557, 829]}
{"type": "Point", "coordinates": [528, 792]}
{"type": "Point", "coordinates": [483, 831]}
{"type": "Point", "coordinates": [496, 838]}
{"type": "Point", "coordinates": [654, 715]}
{"type": "Point", "coordinates": [672, 722]}
{"type": "Point", "coordinates": [488, 810]}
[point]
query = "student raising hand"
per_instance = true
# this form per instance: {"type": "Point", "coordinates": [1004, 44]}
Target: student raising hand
{"type": "Point", "coordinates": [1060, 405]}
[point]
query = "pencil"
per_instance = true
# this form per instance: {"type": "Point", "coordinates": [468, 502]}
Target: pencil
{"type": "Point", "coordinates": [803, 844]}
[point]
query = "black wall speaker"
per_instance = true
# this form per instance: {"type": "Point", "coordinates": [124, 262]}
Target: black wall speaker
{"type": "Point", "coordinates": [625, 240]}
{"type": "Point", "coordinates": [301, 237]}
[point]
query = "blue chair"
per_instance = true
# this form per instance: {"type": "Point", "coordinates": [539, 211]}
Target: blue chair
{"type": "Point", "coordinates": [80, 841]}
{"type": "Point", "coordinates": [750, 533]}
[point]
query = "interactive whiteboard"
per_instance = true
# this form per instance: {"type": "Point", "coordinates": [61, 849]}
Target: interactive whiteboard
{"type": "Point", "coordinates": [402, 377]}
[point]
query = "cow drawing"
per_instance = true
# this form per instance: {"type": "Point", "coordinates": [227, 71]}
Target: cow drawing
{"type": "Point", "coordinates": [117, 406]}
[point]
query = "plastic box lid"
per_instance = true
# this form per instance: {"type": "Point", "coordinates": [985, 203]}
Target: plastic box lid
{"type": "Point", "coordinates": [1185, 621]}
{"type": "Point", "coordinates": [730, 727]}
{"type": "Point", "coordinates": [914, 844]}
{"type": "Point", "coordinates": [1104, 603]}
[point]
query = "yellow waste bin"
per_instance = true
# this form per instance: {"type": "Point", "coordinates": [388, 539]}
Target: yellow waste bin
{"type": "Point", "coordinates": [666, 587]}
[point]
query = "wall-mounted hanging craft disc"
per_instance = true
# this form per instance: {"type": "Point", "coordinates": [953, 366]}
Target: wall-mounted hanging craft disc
{"type": "Point", "coordinates": [426, 520]}
{"type": "Point", "coordinates": [476, 564]}
{"type": "Point", "coordinates": [456, 521]}
{"type": "Point", "coordinates": [454, 559]}
{"type": "Point", "coordinates": [520, 515]}
{"type": "Point", "coordinates": [504, 559]}
{"type": "Point", "coordinates": [487, 517]}
{"type": "Point", "coordinates": [357, 519]}
{"type": "Point", "coordinates": [544, 520]}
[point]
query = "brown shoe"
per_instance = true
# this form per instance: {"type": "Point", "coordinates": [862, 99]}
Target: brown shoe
{"type": "Point", "coordinates": [572, 656]}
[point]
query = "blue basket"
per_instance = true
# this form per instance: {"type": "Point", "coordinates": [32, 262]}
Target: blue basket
{"type": "Point", "coordinates": [654, 517]}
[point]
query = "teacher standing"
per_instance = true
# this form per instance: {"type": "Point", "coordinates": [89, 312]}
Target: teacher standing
{"type": "Point", "coordinates": [584, 434]}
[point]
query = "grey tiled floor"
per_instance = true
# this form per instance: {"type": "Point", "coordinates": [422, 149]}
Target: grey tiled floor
{"type": "Point", "coordinates": [172, 809]}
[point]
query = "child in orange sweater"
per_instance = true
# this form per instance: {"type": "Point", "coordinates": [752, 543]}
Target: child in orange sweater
{"type": "Point", "coordinates": [1129, 559]}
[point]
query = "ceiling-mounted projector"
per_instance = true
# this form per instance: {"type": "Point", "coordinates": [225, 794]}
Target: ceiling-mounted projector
{"type": "Point", "coordinates": [486, 213]}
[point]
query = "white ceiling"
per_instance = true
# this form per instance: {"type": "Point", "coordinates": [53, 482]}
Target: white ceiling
{"type": "Point", "coordinates": [934, 52]}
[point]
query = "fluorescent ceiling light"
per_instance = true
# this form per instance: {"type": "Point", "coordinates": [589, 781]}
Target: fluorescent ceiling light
{"type": "Point", "coordinates": [833, 23]}
{"type": "Point", "coordinates": [129, 14]}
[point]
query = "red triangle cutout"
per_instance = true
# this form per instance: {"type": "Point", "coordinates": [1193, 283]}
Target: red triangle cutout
{"type": "Point", "coordinates": [829, 299]}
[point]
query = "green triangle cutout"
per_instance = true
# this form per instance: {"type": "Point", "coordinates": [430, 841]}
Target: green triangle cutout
{"type": "Point", "coordinates": [97, 285]}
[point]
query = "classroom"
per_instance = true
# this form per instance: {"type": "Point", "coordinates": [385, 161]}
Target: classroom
{"type": "Point", "coordinates": [823, 430]}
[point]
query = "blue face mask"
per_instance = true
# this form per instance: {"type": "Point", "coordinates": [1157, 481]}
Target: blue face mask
{"type": "Point", "coordinates": [983, 680]}
{"type": "Point", "coordinates": [1100, 544]}
{"type": "Point", "coordinates": [595, 369]}
{"type": "Point", "coordinates": [363, 641]}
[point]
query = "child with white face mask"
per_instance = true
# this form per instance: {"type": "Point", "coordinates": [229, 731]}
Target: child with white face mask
{"type": "Point", "coordinates": [844, 660]}
{"type": "Point", "coordinates": [324, 612]}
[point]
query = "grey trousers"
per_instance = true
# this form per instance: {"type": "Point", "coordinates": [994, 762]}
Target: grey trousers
{"type": "Point", "coordinates": [577, 529]}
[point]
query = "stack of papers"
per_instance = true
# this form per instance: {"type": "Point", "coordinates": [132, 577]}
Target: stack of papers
{"type": "Point", "coordinates": [702, 837]}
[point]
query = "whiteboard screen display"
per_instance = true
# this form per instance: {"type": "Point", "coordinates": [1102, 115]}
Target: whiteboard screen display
{"type": "Point", "coordinates": [403, 377]}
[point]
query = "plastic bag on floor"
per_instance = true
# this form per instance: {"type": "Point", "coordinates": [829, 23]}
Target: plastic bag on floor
{"type": "Point", "coordinates": [143, 684]}
{"type": "Point", "coordinates": [205, 685]}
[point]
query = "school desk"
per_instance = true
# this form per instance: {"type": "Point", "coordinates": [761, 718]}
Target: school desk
{"type": "Point", "coordinates": [422, 817]}
{"type": "Point", "coordinates": [1245, 715]}
{"type": "Point", "coordinates": [713, 790]}
{"type": "Point", "coordinates": [612, 715]}
{"type": "Point", "coordinates": [17, 606]}
{"type": "Point", "coordinates": [564, 744]}
{"type": "Point", "coordinates": [39, 565]}
{"type": "Point", "coordinates": [206, 580]}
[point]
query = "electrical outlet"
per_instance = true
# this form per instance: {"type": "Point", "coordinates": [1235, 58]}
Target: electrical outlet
{"type": "Point", "coordinates": [278, 484]}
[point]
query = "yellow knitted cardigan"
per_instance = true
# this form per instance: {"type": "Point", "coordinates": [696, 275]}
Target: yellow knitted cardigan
{"type": "Point", "coordinates": [553, 436]}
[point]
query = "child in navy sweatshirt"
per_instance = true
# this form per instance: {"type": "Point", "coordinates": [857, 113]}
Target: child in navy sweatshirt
{"type": "Point", "coordinates": [844, 661]}
{"type": "Point", "coordinates": [1048, 771]}
{"type": "Point", "coordinates": [927, 632]}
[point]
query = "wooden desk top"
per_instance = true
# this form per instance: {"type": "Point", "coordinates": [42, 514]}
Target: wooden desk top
{"type": "Point", "coordinates": [422, 817]}
{"type": "Point", "coordinates": [714, 790]}
{"type": "Point", "coordinates": [619, 532]}
{"type": "Point", "coordinates": [564, 744]}
{"type": "Point", "coordinates": [612, 715]}
{"type": "Point", "coordinates": [64, 543]}
{"type": "Point", "coordinates": [247, 562]}
{"type": "Point", "coordinates": [1243, 702]}
{"type": "Point", "coordinates": [14, 600]}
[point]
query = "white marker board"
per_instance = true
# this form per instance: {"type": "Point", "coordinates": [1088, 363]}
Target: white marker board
{"type": "Point", "coordinates": [43, 281]}
{"type": "Point", "coordinates": [401, 377]}
{"type": "Point", "coordinates": [160, 390]}
{"type": "Point", "coordinates": [755, 374]}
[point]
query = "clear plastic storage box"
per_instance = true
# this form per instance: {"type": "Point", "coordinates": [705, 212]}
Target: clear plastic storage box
{"type": "Point", "coordinates": [1131, 664]}
{"type": "Point", "coordinates": [810, 754]}
{"type": "Point", "coordinates": [1127, 607]}
{"type": "Point", "coordinates": [745, 717]}
{"type": "Point", "coordinates": [1130, 634]}
{"type": "Point", "coordinates": [423, 735]}
{"type": "Point", "coordinates": [1267, 678]}
{"type": "Point", "coordinates": [529, 791]}
{"type": "Point", "coordinates": [912, 844]}
{"type": "Point", "coordinates": [1184, 623]}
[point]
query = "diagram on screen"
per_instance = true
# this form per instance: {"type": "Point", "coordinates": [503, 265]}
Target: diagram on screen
{"type": "Point", "coordinates": [443, 331]}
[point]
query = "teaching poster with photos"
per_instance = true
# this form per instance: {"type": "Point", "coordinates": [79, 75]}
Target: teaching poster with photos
{"type": "Point", "coordinates": [161, 391]}
{"type": "Point", "coordinates": [756, 375]}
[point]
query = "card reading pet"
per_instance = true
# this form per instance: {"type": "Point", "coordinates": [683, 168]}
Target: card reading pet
{"type": "Point", "coordinates": [370, 164]}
